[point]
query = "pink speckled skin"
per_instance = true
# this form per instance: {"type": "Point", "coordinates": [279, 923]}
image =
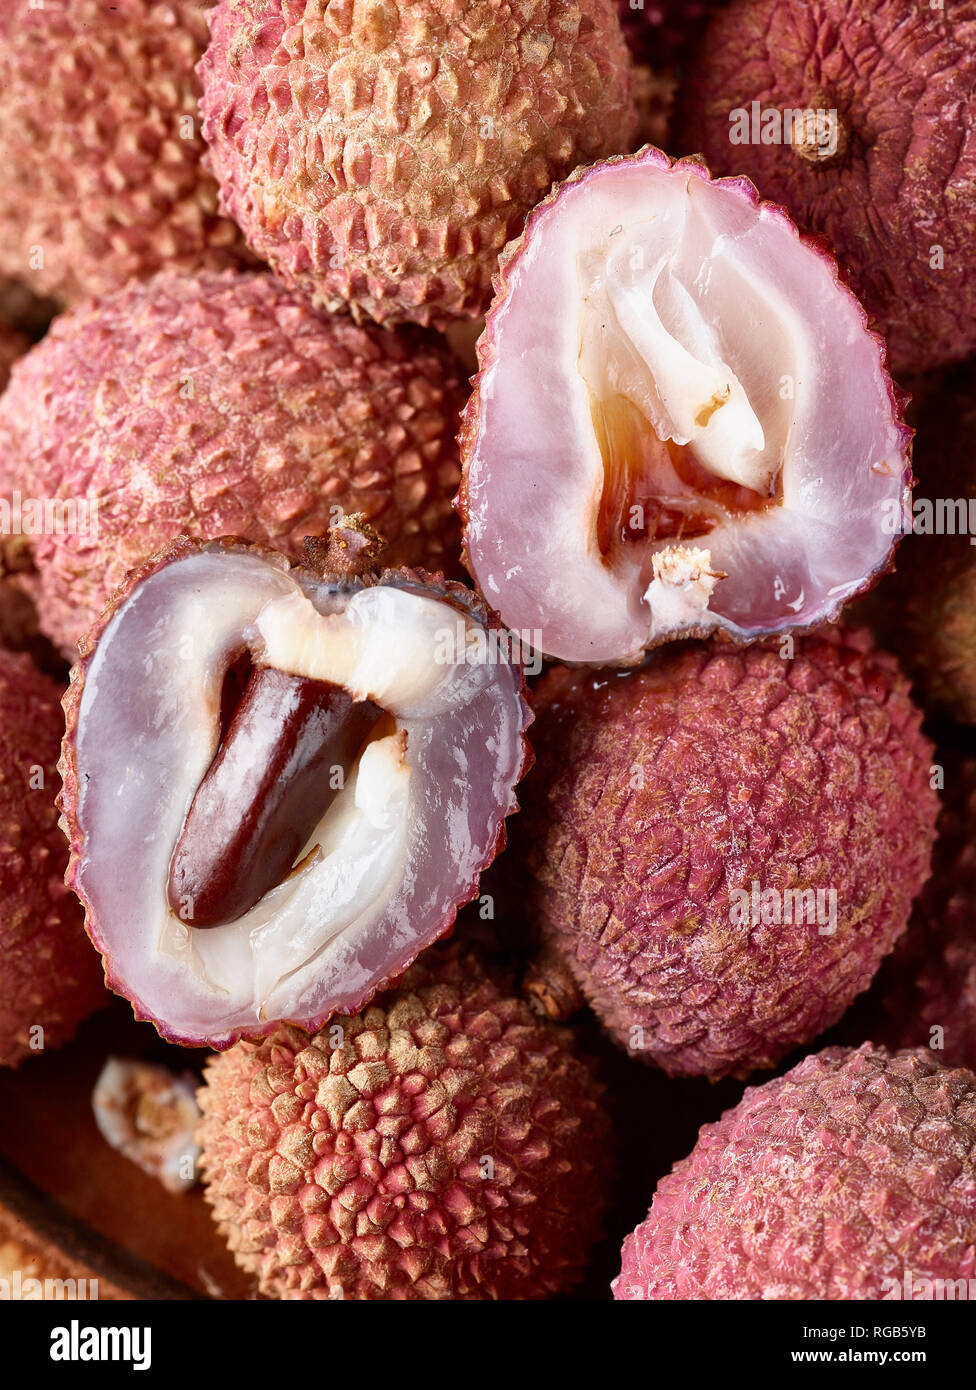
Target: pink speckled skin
{"type": "Point", "coordinates": [382, 155]}
{"type": "Point", "coordinates": [897, 207]}
{"type": "Point", "coordinates": [851, 1177]}
{"type": "Point", "coordinates": [50, 977]}
{"type": "Point", "coordinates": [444, 1144]}
{"type": "Point", "coordinates": [659, 792]}
{"type": "Point", "coordinates": [101, 147]}
{"type": "Point", "coordinates": [221, 404]}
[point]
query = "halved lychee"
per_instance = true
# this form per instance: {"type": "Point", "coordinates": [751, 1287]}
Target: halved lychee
{"type": "Point", "coordinates": [280, 783]}
{"type": "Point", "coordinates": [682, 423]}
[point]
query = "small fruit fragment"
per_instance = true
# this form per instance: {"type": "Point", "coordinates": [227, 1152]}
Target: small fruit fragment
{"type": "Point", "coordinates": [851, 1177]}
{"type": "Point", "coordinates": [428, 732]}
{"type": "Point", "coordinates": [686, 393]}
{"type": "Point", "coordinates": [443, 1144]}
{"type": "Point", "coordinates": [725, 844]}
{"type": "Point", "coordinates": [379, 155]}
{"type": "Point", "coordinates": [290, 745]}
{"type": "Point", "coordinates": [150, 1114]}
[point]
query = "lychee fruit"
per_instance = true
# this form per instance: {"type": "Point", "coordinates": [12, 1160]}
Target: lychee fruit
{"type": "Point", "coordinates": [681, 424]}
{"type": "Point", "coordinates": [444, 1144]}
{"type": "Point", "coordinates": [50, 978]}
{"type": "Point", "coordinates": [928, 984]}
{"type": "Point", "coordinates": [281, 783]}
{"type": "Point", "coordinates": [222, 404]}
{"type": "Point", "coordinates": [101, 148]}
{"type": "Point", "coordinates": [724, 843]}
{"type": "Point", "coordinates": [851, 1177]}
{"type": "Point", "coordinates": [853, 116]}
{"type": "Point", "coordinates": [380, 155]}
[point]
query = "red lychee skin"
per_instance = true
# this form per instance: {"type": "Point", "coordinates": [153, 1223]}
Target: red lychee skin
{"type": "Point", "coordinates": [928, 985]}
{"type": "Point", "coordinates": [661, 792]}
{"type": "Point", "coordinates": [101, 148]}
{"type": "Point", "coordinates": [434, 584]}
{"type": "Point", "coordinates": [379, 157]}
{"type": "Point", "coordinates": [221, 404]}
{"type": "Point", "coordinates": [902, 77]}
{"type": "Point", "coordinates": [50, 978]}
{"type": "Point", "coordinates": [851, 1177]}
{"type": "Point", "coordinates": [444, 1144]}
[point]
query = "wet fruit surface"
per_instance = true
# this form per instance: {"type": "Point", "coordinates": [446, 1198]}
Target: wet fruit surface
{"type": "Point", "coordinates": [290, 745]}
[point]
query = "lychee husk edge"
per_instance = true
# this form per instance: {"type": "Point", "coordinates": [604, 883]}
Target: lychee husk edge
{"type": "Point", "coordinates": [452, 592]}
{"type": "Point", "coordinates": [486, 351]}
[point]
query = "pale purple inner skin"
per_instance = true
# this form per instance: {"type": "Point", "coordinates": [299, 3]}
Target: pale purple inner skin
{"type": "Point", "coordinates": [650, 295]}
{"type": "Point", "coordinates": [399, 867]}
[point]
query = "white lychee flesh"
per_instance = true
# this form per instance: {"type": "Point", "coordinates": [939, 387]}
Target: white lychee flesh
{"type": "Point", "coordinates": [402, 844]}
{"type": "Point", "coordinates": [647, 315]}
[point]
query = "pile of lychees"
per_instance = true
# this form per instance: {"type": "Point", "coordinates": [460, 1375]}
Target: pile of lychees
{"type": "Point", "coordinates": [329, 605]}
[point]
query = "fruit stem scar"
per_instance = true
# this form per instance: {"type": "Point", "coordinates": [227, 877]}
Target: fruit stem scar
{"type": "Point", "coordinates": [286, 754]}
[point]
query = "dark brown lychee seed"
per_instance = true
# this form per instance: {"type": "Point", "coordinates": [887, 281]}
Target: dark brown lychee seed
{"type": "Point", "coordinates": [288, 750]}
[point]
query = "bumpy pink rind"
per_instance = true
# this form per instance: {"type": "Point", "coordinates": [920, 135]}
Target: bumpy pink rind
{"type": "Point", "coordinates": [447, 1069]}
{"type": "Point", "coordinates": [661, 795]}
{"type": "Point", "coordinates": [434, 586]}
{"type": "Point", "coordinates": [223, 404]}
{"type": "Point", "coordinates": [379, 157]}
{"type": "Point", "coordinates": [897, 205]}
{"type": "Point", "coordinates": [851, 1177]}
{"type": "Point", "coordinates": [101, 148]}
{"type": "Point", "coordinates": [516, 260]}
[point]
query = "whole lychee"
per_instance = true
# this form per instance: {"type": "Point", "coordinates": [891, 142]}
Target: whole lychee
{"type": "Point", "coordinates": [50, 978]}
{"type": "Point", "coordinates": [100, 145]}
{"type": "Point", "coordinates": [851, 115]}
{"type": "Point", "coordinates": [222, 404]}
{"type": "Point", "coordinates": [383, 153]}
{"type": "Point", "coordinates": [444, 1144]}
{"type": "Point", "coordinates": [724, 844]}
{"type": "Point", "coordinates": [851, 1177]}
{"type": "Point", "coordinates": [653, 447]}
{"type": "Point", "coordinates": [928, 984]}
{"type": "Point", "coordinates": [303, 770]}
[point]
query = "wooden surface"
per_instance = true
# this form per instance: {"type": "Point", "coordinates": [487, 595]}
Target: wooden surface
{"type": "Point", "coordinates": [103, 1206]}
